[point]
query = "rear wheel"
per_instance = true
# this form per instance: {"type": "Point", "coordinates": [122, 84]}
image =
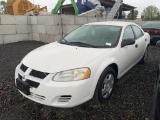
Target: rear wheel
{"type": "Point", "coordinates": [155, 40]}
{"type": "Point", "coordinates": [105, 86]}
{"type": "Point", "coordinates": [144, 60]}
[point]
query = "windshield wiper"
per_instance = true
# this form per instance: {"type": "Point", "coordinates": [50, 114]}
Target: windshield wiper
{"type": "Point", "coordinates": [83, 44]}
{"type": "Point", "coordinates": [64, 41]}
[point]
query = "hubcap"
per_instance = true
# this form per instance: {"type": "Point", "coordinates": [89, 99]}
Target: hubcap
{"type": "Point", "coordinates": [107, 85]}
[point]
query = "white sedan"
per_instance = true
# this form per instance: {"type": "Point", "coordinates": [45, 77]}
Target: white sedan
{"type": "Point", "coordinates": [82, 66]}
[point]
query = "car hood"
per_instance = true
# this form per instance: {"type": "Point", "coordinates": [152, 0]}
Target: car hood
{"type": "Point", "coordinates": [55, 57]}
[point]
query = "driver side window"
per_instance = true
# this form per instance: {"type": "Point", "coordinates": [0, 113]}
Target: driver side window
{"type": "Point", "coordinates": [128, 33]}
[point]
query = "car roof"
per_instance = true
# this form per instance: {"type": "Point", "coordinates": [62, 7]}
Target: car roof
{"type": "Point", "coordinates": [114, 23]}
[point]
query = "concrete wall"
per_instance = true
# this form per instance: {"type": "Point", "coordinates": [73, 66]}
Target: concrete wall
{"type": "Point", "coordinates": [41, 28]}
{"type": "Point", "coordinates": [14, 28]}
{"type": "Point", "coordinates": [46, 28]}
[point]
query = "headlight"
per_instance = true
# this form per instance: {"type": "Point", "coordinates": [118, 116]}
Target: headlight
{"type": "Point", "coordinates": [72, 75]}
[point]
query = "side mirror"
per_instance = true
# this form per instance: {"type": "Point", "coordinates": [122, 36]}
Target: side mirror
{"type": "Point", "coordinates": [158, 43]}
{"type": "Point", "coordinates": [126, 42]}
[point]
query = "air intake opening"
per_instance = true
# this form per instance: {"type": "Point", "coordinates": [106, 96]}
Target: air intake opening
{"type": "Point", "coordinates": [37, 97]}
{"type": "Point", "coordinates": [64, 98]}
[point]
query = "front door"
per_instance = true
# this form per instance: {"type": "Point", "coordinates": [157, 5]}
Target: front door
{"type": "Point", "coordinates": [128, 53]}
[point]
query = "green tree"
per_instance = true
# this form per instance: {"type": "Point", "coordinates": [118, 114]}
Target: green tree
{"type": "Point", "coordinates": [158, 15]}
{"type": "Point", "coordinates": [135, 14]}
{"type": "Point", "coordinates": [3, 3]}
{"type": "Point", "coordinates": [150, 13]}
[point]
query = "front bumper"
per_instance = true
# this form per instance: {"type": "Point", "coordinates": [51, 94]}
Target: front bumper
{"type": "Point", "coordinates": [59, 94]}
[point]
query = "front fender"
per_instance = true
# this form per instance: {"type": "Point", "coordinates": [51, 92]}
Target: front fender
{"type": "Point", "coordinates": [97, 72]}
{"type": "Point", "coordinates": [105, 64]}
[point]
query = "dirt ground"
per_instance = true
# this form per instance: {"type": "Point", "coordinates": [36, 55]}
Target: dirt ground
{"type": "Point", "coordinates": [131, 100]}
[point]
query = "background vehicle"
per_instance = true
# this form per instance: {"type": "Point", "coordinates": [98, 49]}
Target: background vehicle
{"type": "Point", "coordinates": [83, 65]}
{"type": "Point", "coordinates": [153, 28]}
{"type": "Point", "coordinates": [156, 109]}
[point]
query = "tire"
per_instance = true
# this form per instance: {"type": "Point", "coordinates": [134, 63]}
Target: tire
{"type": "Point", "coordinates": [155, 40]}
{"type": "Point", "coordinates": [105, 86]}
{"type": "Point", "coordinates": [144, 59]}
{"type": "Point", "coordinates": [157, 115]}
{"type": "Point", "coordinates": [157, 107]}
{"type": "Point", "coordinates": [158, 43]}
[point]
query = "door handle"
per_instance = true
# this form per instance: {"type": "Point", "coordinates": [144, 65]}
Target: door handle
{"type": "Point", "coordinates": [136, 45]}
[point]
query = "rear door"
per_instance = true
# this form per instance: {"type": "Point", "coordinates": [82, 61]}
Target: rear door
{"type": "Point", "coordinates": [140, 41]}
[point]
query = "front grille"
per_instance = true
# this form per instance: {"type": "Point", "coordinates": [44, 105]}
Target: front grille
{"type": "Point", "coordinates": [23, 68]}
{"type": "Point", "coordinates": [38, 74]}
{"type": "Point", "coordinates": [31, 83]}
{"type": "Point", "coordinates": [37, 97]}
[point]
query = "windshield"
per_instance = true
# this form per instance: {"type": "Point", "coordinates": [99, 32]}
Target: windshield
{"type": "Point", "coordinates": [154, 24]}
{"type": "Point", "coordinates": [94, 36]}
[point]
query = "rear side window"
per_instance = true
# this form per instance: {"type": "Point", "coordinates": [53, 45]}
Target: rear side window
{"type": "Point", "coordinates": [128, 33]}
{"type": "Point", "coordinates": [138, 32]}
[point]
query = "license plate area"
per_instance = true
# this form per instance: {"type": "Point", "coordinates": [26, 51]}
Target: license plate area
{"type": "Point", "coordinates": [23, 86]}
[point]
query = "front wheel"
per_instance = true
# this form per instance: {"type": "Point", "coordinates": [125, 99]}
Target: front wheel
{"type": "Point", "coordinates": [105, 86]}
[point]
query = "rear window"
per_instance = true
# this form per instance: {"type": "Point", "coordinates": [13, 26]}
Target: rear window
{"type": "Point", "coordinates": [137, 31]}
{"type": "Point", "coordinates": [154, 24]}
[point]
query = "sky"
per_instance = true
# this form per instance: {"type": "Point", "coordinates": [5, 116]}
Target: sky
{"type": "Point", "coordinates": [140, 4]}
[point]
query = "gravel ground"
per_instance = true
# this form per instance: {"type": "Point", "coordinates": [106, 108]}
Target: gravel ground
{"type": "Point", "coordinates": [131, 100]}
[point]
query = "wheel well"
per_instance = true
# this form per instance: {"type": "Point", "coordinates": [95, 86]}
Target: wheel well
{"type": "Point", "coordinates": [115, 67]}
